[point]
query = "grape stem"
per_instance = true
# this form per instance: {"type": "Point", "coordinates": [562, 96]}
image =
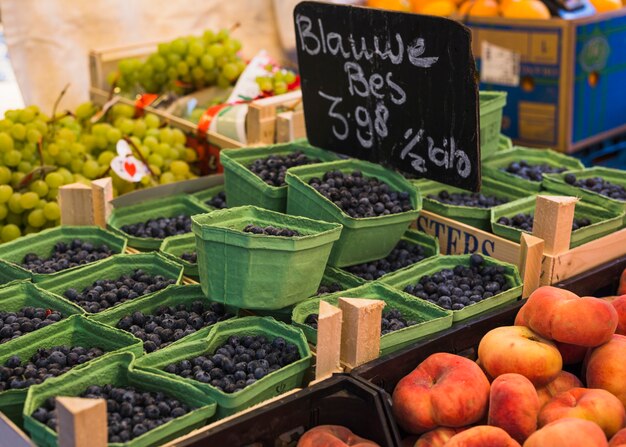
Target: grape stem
{"type": "Point", "coordinates": [58, 100]}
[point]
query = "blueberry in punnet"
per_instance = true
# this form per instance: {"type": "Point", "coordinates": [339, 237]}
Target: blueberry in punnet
{"type": "Point", "coordinates": [470, 199]}
{"type": "Point", "coordinates": [392, 320]}
{"type": "Point", "coordinates": [403, 255]}
{"type": "Point", "coordinates": [66, 255]}
{"type": "Point", "coordinates": [598, 185]}
{"type": "Point", "coordinates": [524, 222]}
{"type": "Point", "coordinates": [218, 201]}
{"type": "Point", "coordinates": [270, 230]}
{"type": "Point", "coordinates": [328, 288]}
{"type": "Point", "coordinates": [272, 169]}
{"type": "Point", "coordinates": [160, 227]}
{"type": "Point", "coordinates": [190, 256]}
{"type": "Point", "coordinates": [531, 172]}
{"type": "Point", "coordinates": [25, 320]}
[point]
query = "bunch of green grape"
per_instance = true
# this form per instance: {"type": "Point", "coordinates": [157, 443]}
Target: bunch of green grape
{"type": "Point", "coordinates": [184, 64]}
{"type": "Point", "coordinates": [72, 149]}
{"type": "Point", "coordinates": [276, 82]}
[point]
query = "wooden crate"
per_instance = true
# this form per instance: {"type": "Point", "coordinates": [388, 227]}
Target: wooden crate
{"type": "Point", "coordinates": [104, 60]}
{"type": "Point", "coordinates": [265, 120]}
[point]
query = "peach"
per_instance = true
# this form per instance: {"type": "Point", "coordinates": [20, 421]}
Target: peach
{"type": "Point", "coordinates": [618, 439]}
{"type": "Point", "coordinates": [571, 354]}
{"type": "Point", "coordinates": [332, 436]}
{"type": "Point", "coordinates": [519, 318]}
{"type": "Point", "coordinates": [620, 306]}
{"type": "Point", "coordinates": [482, 436]}
{"type": "Point", "coordinates": [594, 405]}
{"type": "Point", "coordinates": [563, 382]}
{"type": "Point", "coordinates": [517, 349]}
{"type": "Point", "coordinates": [568, 432]}
{"type": "Point", "coordinates": [606, 367]}
{"type": "Point", "coordinates": [437, 437]}
{"type": "Point", "coordinates": [444, 390]}
{"type": "Point", "coordinates": [514, 406]}
{"type": "Point", "coordinates": [560, 315]}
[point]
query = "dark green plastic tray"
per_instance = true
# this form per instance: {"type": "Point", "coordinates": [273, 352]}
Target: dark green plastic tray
{"type": "Point", "coordinates": [170, 296]}
{"type": "Point", "coordinates": [476, 217]}
{"type": "Point", "coordinates": [603, 221]}
{"type": "Point", "coordinates": [243, 187]}
{"type": "Point", "coordinates": [117, 370]}
{"type": "Point", "coordinates": [273, 384]}
{"type": "Point", "coordinates": [412, 275]}
{"type": "Point", "coordinates": [112, 268]}
{"type": "Point", "coordinates": [492, 166]}
{"type": "Point", "coordinates": [174, 246]}
{"type": "Point", "coordinates": [43, 242]}
{"type": "Point", "coordinates": [73, 331]}
{"type": "Point", "coordinates": [430, 318]}
{"type": "Point", "coordinates": [165, 207]}
{"type": "Point", "coordinates": [363, 239]}
{"type": "Point", "coordinates": [255, 271]}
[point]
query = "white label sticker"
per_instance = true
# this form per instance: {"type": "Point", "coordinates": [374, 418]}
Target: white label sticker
{"type": "Point", "coordinates": [129, 168]}
{"type": "Point", "coordinates": [123, 148]}
{"type": "Point", "coordinates": [499, 65]}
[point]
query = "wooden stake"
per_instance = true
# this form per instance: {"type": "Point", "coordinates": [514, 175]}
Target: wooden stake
{"type": "Point", "coordinates": [11, 435]}
{"type": "Point", "coordinates": [76, 203]}
{"type": "Point", "coordinates": [531, 254]}
{"type": "Point", "coordinates": [328, 340]}
{"type": "Point", "coordinates": [82, 422]}
{"type": "Point", "coordinates": [102, 190]}
{"type": "Point", "coordinates": [290, 126]}
{"type": "Point", "coordinates": [360, 332]}
{"type": "Point", "coordinates": [553, 222]}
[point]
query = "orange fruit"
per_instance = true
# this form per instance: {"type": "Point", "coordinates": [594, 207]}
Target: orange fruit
{"type": "Point", "coordinates": [480, 8]}
{"type": "Point", "coordinates": [417, 5]}
{"type": "Point", "coordinates": [394, 5]}
{"type": "Point", "coordinates": [525, 9]}
{"type": "Point", "coordinates": [606, 5]}
{"type": "Point", "coordinates": [439, 8]}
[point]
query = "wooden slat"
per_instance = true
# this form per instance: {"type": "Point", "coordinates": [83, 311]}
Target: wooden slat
{"type": "Point", "coordinates": [553, 222]}
{"type": "Point", "coordinates": [82, 422]}
{"type": "Point", "coordinates": [290, 126]}
{"type": "Point", "coordinates": [102, 190]}
{"type": "Point", "coordinates": [76, 204]}
{"type": "Point", "coordinates": [11, 435]}
{"type": "Point", "coordinates": [328, 340]}
{"type": "Point", "coordinates": [360, 332]}
{"type": "Point", "coordinates": [531, 256]}
{"type": "Point", "coordinates": [261, 119]}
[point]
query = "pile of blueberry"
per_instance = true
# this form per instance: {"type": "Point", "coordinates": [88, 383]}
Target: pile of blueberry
{"type": "Point", "coordinates": [170, 324]}
{"type": "Point", "coordinates": [190, 256]}
{"type": "Point", "coordinates": [598, 185]}
{"type": "Point", "coordinates": [270, 231]}
{"type": "Point", "coordinates": [240, 362]}
{"type": "Point", "coordinates": [462, 286]}
{"type": "Point", "coordinates": [392, 320]}
{"type": "Point", "coordinates": [66, 255]}
{"type": "Point", "coordinates": [160, 228]}
{"type": "Point", "coordinates": [130, 412]}
{"type": "Point", "coordinates": [105, 293]}
{"type": "Point", "coordinates": [272, 169]}
{"type": "Point", "coordinates": [360, 196]}
{"type": "Point", "coordinates": [332, 287]}
{"type": "Point", "coordinates": [218, 201]}
{"type": "Point", "coordinates": [403, 255]}
{"type": "Point", "coordinates": [44, 364]}
{"type": "Point", "coordinates": [524, 222]}
{"type": "Point", "coordinates": [531, 172]}
{"type": "Point", "coordinates": [471, 199]}
{"type": "Point", "coordinates": [27, 319]}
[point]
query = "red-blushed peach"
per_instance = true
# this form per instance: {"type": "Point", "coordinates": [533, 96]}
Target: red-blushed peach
{"type": "Point", "coordinates": [618, 439]}
{"type": "Point", "coordinates": [438, 437]}
{"type": "Point", "coordinates": [332, 436]}
{"type": "Point", "coordinates": [517, 349]}
{"type": "Point", "coordinates": [594, 405]}
{"type": "Point", "coordinates": [606, 367]}
{"type": "Point", "coordinates": [571, 354]}
{"type": "Point", "coordinates": [444, 390]}
{"type": "Point", "coordinates": [519, 318]}
{"type": "Point", "coordinates": [563, 382]}
{"type": "Point", "coordinates": [482, 436]}
{"type": "Point", "coordinates": [620, 306]}
{"type": "Point", "coordinates": [568, 432]}
{"type": "Point", "coordinates": [563, 316]}
{"type": "Point", "coordinates": [514, 406]}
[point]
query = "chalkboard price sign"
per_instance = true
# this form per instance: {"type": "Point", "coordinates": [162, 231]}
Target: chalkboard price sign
{"type": "Point", "coordinates": [392, 88]}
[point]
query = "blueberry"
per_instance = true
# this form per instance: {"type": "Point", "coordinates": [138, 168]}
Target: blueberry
{"type": "Point", "coordinates": [66, 255]}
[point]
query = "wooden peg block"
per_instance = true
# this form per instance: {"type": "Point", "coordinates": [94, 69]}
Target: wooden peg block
{"type": "Point", "coordinates": [82, 422]}
{"type": "Point", "coordinates": [553, 222]}
{"type": "Point", "coordinates": [102, 193]}
{"type": "Point", "coordinates": [11, 435]}
{"type": "Point", "coordinates": [76, 203]}
{"type": "Point", "coordinates": [328, 351]}
{"type": "Point", "coordinates": [360, 332]}
{"type": "Point", "coordinates": [531, 256]}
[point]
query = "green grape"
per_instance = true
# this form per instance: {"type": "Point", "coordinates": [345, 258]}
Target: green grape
{"type": "Point", "coordinates": [190, 155]}
{"type": "Point", "coordinates": [172, 74]}
{"type": "Point", "coordinates": [41, 204]}
{"type": "Point", "coordinates": [173, 59]}
{"type": "Point", "coordinates": [155, 170]}
{"type": "Point", "coordinates": [25, 167]}
{"type": "Point", "coordinates": [29, 200]}
{"type": "Point", "coordinates": [67, 135]}
{"type": "Point", "coordinates": [5, 124]}
{"type": "Point", "coordinates": [6, 142]}
{"type": "Point", "coordinates": [16, 178]}
{"type": "Point", "coordinates": [220, 62]}
{"type": "Point", "coordinates": [197, 73]}
{"type": "Point", "coordinates": [18, 131]}
{"type": "Point", "coordinates": [216, 50]}
{"type": "Point", "coordinates": [77, 150]}
{"type": "Point", "coordinates": [114, 135]}
{"type": "Point", "coordinates": [39, 187]}
{"type": "Point", "coordinates": [51, 211]}
{"type": "Point", "coordinates": [15, 203]}
{"type": "Point", "coordinates": [207, 62]}
{"type": "Point", "coordinates": [151, 141]}
{"type": "Point", "coordinates": [222, 81]}
{"type": "Point", "coordinates": [223, 34]}
{"type": "Point", "coordinates": [76, 165]}
{"type": "Point", "coordinates": [178, 137]}
{"type": "Point", "coordinates": [54, 179]}
{"type": "Point", "coordinates": [278, 76]}
{"type": "Point", "coordinates": [155, 159]}
{"type": "Point", "coordinates": [167, 177]}
{"type": "Point", "coordinates": [67, 175]}
{"type": "Point", "coordinates": [290, 77]}
{"type": "Point", "coordinates": [64, 158]}
{"type": "Point", "coordinates": [36, 218]}
{"type": "Point", "coordinates": [163, 48]}
{"type": "Point", "coordinates": [12, 158]}
{"type": "Point", "coordinates": [191, 61]}
{"type": "Point", "coordinates": [127, 66]}
{"type": "Point", "coordinates": [123, 110]}
{"type": "Point", "coordinates": [84, 111]}
{"type": "Point", "coordinates": [5, 175]}
{"type": "Point", "coordinates": [30, 230]}
{"type": "Point", "coordinates": [196, 48]}
{"type": "Point", "coordinates": [182, 68]}
{"type": "Point", "coordinates": [162, 149]}
{"type": "Point", "coordinates": [159, 63]}
{"type": "Point", "coordinates": [53, 193]}
{"type": "Point", "coordinates": [208, 36]}
{"type": "Point", "coordinates": [126, 126]}
{"type": "Point", "coordinates": [104, 159]}
{"type": "Point", "coordinates": [10, 232]}
{"type": "Point", "coordinates": [179, 46]}
{"type": "Point", "coordinates": [179, 167]}
{"type": "Point", "coordinates": [4, 211]}
{"type": "Point", "coordinates": [166, 135]}
{"type": "Point", "coordinates": [152, 121]}
{"type": "Point", "coordinates": [33, 136]}
{"type": "Point", "coordinates": [230, 71]}
{"type": "Point", "coordinates": [280, 88]}
{"type": "Point", "coordinates": [5, 193]}
{"type": "Point", "coordinates": [53, 149]}
{"type": "Point", "coordinates": [91, 169]}
{"type": "Point", "coordinates": [26, 115]}
{"type": "Point", "coordinates": [139, 129]}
